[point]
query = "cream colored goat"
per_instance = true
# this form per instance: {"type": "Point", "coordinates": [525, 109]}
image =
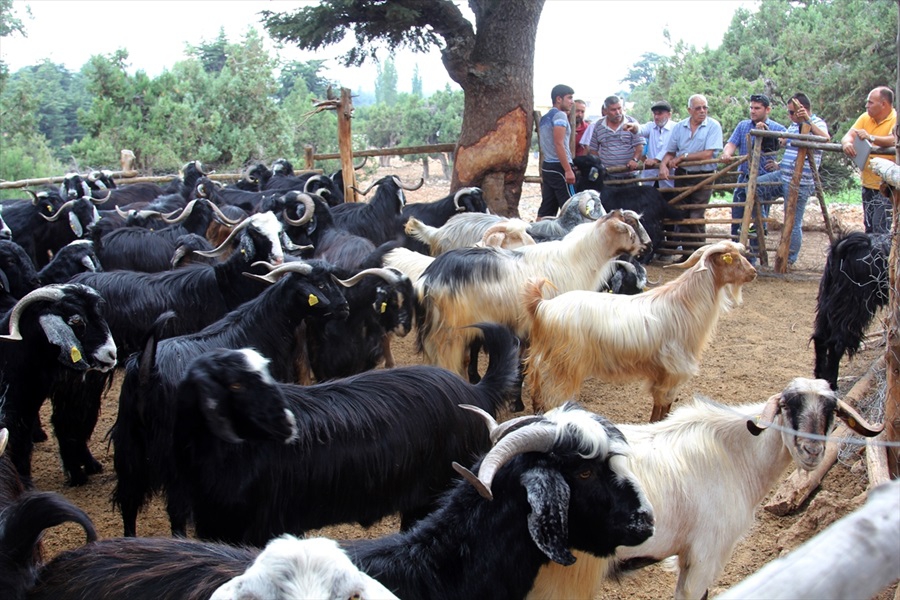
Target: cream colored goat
{"type": "Point", "coordinates": [657, 336]}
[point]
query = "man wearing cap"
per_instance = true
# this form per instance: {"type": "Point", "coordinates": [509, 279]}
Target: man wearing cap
{"type": "Point", "coordinates": [740, 141]}
{"type": "Point", "coordinates": [697, 138]}
{"type": "Point", "coordinates": [876, 126]}
{"type": "Point", "coordinates": [656, 133]}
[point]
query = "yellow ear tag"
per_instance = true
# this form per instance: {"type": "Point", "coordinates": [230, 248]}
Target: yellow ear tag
{"type": "Point", "coordinates": [383, 307]}
{"type": "Point", "coordinates": [313, 300]}
{"type": "Point", "coordinates": [244, 252]}
{"type": "Point", "coordinates": [49, 209]}
{"type": "Point", "coordinates": [75, 354]}
{"type": "Point", "coordinates": [727, 259]}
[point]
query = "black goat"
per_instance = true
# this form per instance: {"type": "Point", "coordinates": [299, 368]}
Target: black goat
{"type": "Point", "coordinates": [143, 433]}
{"type": "Point", "coordinates": [73, 258]}
{"type": "Point", "coordinates": [17, 274]}
{"type": "Point", "coordinates": [52, 330]}
{"type": "Point", "coordinates": [37, 226]}
{"type": "Point", "coordinates": [378, 220]}
{"type": "Point", "coordinates": [643, 199]}
{"type": "Point", "coordinates": [381, 303]}
{"type": "Point", "coordinates": [314, 225]}
{"type": "Point", "coordinates": [854, 285]}
{"type": "Point", "coordinates": [437, 213]}
{"type": "Point", "coordinates": [348, 450]}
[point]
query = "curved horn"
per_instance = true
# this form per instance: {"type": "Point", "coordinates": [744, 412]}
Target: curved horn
{"type": "Point", "coordinates": [278, 272]}
{"type": "Point", "coordinates": [761, 421]}
{"type": "Point", "coordinates": [220, 216]}
{"type": "Point", "coordinates": [99, 201]}
{"type": "Point", "coordinates": [386, 274]}
{"type": "Point", "coordinates": [855, 421]}
{"type": "Point", "coordinates": [34, 196]}
{"type": "Point", "coordinates": [52, 293]}
{"type": "Point", "coordinates": [456, 196]}
{"type": "Point", "coordinates": [627, 266]}
{"type": "Point", "coordinates": [498, 430]}
{"type": "Point", "coordinates": [315, 177]}
{"type": "Point", "coordinates": [216, 252]}
{"type": "Point", "coordinates": [692, 259]}
{"type": "Point", "coordinates": [307, 201]}
{"type": "Point", "coordinates": [4, 438]}
{"type": "Point", "coordinates": [367, 190]}
{"type": "Point", "coordinates": [408, 187]}
{"type": "Point", "coordinates": [121, 212]}
{"type": "Point", "coordinates": [58, 212]}
{"type": "Point", "coordinates": [535, 438]}
{"type": "Point", "coordinates": [362, 164]}
{"type": "Point", "coordinates": [185, 213]}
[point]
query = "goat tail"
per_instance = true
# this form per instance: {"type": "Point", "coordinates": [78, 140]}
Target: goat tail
{"type": "Point", "coordinates": [501, 380]}
{"type": "Point", "coordinates": [532, 295]}
{"type": "Point", "coordinates": [24, 522]}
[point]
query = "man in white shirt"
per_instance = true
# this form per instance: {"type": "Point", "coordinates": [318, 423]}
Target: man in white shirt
{"type": "Point", "coordinates": [657, 135]}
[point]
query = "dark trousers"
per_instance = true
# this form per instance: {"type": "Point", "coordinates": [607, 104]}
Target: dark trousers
{"type": "Point", "coordinates": [554, 189]}
{"type": "Point", "coordinates": [700, 196]}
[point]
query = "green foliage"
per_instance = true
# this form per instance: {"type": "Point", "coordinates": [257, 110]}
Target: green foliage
{"type": "Point", "coordinates": [386, 83]}
{"type": "Point", "coordinates": [212, 55]}
{"type": "Point", "coordinates": [308, 73]}
{"type": "Point", "coordinates": [417, 83]}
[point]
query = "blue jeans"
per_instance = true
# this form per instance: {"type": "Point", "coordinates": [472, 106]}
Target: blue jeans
{"type": "Point", "coordinates": [770, 192]}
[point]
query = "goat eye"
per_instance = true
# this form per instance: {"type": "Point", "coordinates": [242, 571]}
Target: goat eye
{"type": "Point", "coordinates": [585, 474]}
{"type": "Point", "coordinates": [76, 321]}
{"type": "Point", "coordinates": [236, 387]}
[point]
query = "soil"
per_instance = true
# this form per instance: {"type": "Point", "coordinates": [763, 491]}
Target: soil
{"type": "Point", "coordinates": [757, 349]}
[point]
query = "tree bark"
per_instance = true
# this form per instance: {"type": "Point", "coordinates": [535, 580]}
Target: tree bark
{"type": "Point", "coordinates": [496, 72]}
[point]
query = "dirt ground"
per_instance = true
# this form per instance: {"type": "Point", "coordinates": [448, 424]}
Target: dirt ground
{"type": "Point", "coordinates": [757, 349]}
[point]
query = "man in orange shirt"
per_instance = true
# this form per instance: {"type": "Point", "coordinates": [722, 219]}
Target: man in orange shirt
{"type": "Point", "coordinates": [876, 126]}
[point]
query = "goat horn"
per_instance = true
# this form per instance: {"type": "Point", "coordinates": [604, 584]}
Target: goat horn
{"type": "Point", "coordinates": [220, 216]}
{"type": "Point", "coordinates": [757, 424]}
{"type": "Point", "coordinates": [50, 292]}
{"type": "Point", "coordinates": [538, 437]}
{"type": "Point", "coordinates": [100, 200]}
{"type": "Point", "coordinates": [407, 186]}
{"type": "Point", "coordinates": [456, 196]}
{"type": "Point", "coordinates": [627, 266]}
{"type": "Point", "coordinates": [55, 215]}
{"type": "Point", "coordinates": [855, 421]}
{"type": "Point", "coordinates": [310, 207]}
{"type": "Point", "coordinates": [216, 252]}
{"type": "Point", "coordinates": [315, 177]}
{"type": "Point", "coordinates": [367, 190]}
{"type": "Point", "coordinates": [362, 164]}
{"type": "Point", "coordinates": [4, 438]}
{"type": "Point", "coordinates": [121, 212]}
{"type": "Point", "coordinates": [583, 204]}
{"type": "Point", "coordinates": [498, 430]}
{"type": "Point", "coordinates": [34, 196]}
{"type": "Point", "coordinates": [278, 272]}
{"type": "Point", "coordinates": [692, 259]}
{"type": "Point", "coordinates": [386, 274]}
{"type": "Point", "coordinates": [185, 213]}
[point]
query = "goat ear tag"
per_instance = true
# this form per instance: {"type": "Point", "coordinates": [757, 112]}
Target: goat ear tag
{"type": "Point", "coordinates": [313, 300]}
{"type": "Point", "coordinates": [594, 175]}
{"type": "Point", "coordinates": [75, 354]}
{"type": "Point", "coordinates": [383, 307]}
{"type": "Point", "coordinates": [727, 259]}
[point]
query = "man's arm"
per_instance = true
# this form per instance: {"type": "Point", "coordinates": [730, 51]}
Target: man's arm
{"type": "Point", "coordinates": [559, 142]}
{"type": "Point", "coordinates": [728, 152]}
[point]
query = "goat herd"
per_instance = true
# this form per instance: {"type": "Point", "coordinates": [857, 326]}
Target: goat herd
{"type": "Point", "coordinates": [247, 322]}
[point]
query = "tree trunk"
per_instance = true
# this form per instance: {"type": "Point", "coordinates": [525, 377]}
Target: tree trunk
{"type": "Point", "coordinates": [497, 76]}
{"type": "Point", "coordinates": [425, 167]}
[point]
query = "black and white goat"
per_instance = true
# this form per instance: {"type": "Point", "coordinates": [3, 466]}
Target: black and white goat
{"type": "Point", "coordinates": [52, 330]}
{"type": "Point", "coordinates": [348, 450]}
{"type": "Point", "coordinates": [853, 287]}
{"type": "Point", "coordinates": [143, 433]}
{"type": "Point", "coordinates": [677, 459]}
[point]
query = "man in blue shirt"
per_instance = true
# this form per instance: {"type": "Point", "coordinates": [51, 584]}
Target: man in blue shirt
{"type": "Point", "coordinates": [554, 132]}
{"type": "Point", "coordinates": [740, 141]}
{"type": "Point", "coordinates": [699, 137]}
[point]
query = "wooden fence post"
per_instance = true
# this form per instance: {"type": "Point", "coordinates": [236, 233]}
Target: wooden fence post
{"type": "Point", "coordinates": [310, 157]}
{"type": "Point", "coordinates": [790, 208]}
{"type": "Point", "coordinates": [345, 144]}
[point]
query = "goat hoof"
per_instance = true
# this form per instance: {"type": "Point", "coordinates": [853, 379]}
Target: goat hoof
{"type": "Point", "coordinates": [92, 466]}
{"type": "Point", "coordinates": [76, 478]}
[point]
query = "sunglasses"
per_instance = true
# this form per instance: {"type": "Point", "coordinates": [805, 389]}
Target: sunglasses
{"type": "Point", "coordinates": [791, 112]}
{"type": "Point", "coordinates": [760, 98]}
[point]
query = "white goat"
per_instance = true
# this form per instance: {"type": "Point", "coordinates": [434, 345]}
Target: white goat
{"type": "Point", "coordinates": [657, 336]}
{"type": "Point", "coordinates": [291, 568]}
{"type": "Point", "coordinates": [704, 474]}
{"type": "Point", "coordinates": [467, 286]}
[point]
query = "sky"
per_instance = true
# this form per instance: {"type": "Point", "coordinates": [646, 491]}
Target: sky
{"type": "Point", "coordinates": [589, 45]}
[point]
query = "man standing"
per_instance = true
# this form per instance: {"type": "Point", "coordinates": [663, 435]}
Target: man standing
{"type": "Point", "coordinates": [616, 140]}
{"type": "Point", "coordinates": [580, 126]}
{"type": "Point", "coordinates": [699, 137]}
{"type": "Point", "coordinates": [800, 113]}
{"type": "Point", "coordinates": [760, 107]}
{"type": "Point", "coordinates": [656, 134]}
{"type": "Point", "coordinates": [554, 132]}
{"type": "Point", "coordinates": [876, 126]}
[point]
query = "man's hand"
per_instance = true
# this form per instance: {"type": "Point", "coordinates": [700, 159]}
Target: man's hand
{"type": "Point", "coordinates": [631, 126]}
{"type": "Point", "coordinates": [570, 174]}
{"type": "Point", "coordinates": [651, 163]}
